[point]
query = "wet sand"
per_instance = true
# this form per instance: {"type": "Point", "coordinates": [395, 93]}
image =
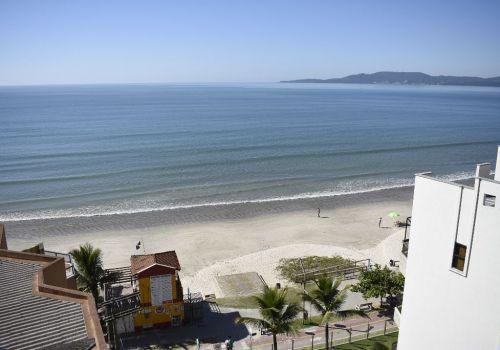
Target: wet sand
{"type": "Point", "coordinates": [38, 229]}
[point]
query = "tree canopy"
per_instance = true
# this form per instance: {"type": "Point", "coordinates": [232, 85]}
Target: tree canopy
{"type": "Point", "coordinates": [327, 298]}
{"type": "Point", "coordinates": [91, 275]}
{"type": "Point", "coordinates": [277, 315]}
{"type": "Point", "coordinates": [380, 282]}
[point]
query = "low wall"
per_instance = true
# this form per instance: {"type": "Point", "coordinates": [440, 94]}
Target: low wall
{"type": "Point", "coordinates": [402, 264]}
{"type": "Point", "coordinates": [397, 315]}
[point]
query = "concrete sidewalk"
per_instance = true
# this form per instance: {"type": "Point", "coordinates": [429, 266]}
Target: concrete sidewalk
{"type": "Point", "coordinates": [358, 326]}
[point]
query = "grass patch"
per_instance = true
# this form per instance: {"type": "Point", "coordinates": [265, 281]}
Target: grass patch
{"type": "Point", "coordinates": [388, 340]}
{"type": "Point", "coordinates": [247, 302]}
{"type": "Point", "coordinates": [289, 268]}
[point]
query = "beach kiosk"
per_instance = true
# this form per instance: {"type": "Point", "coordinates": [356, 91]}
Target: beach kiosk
{"type": "Point", "coordinates": [157, 279]}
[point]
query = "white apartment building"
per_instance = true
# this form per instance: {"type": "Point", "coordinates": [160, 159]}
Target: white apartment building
{"type": "Point", "coordinates": [452, 289]}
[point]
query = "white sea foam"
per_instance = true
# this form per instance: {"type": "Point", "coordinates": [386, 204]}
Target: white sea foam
{"type": "Point", "coordinates": [349, 188]}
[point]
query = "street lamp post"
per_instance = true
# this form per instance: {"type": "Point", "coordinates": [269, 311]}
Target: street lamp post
{"type": "Point", "coordinates": [312, 334]}
{"type": "Point", "coordinates": [251, 339]}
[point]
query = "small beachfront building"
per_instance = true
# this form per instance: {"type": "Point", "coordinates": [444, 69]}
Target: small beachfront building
{"type": "Point", "coordinates": [157, 279]}
{"type": "Point", "coordinates": [452, 288]}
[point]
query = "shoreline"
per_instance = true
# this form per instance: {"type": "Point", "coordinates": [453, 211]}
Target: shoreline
{"type": "Point", "coordinates": [30, 229]}
{"type": "Point", "coordinates": [236, 238]}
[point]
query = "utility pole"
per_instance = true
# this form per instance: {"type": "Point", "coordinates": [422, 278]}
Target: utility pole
{"type": "Point", "coordinates": [312, 334]}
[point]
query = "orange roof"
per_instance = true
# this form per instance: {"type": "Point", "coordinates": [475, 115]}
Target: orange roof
{"type": "Point", "coordinates": [140, 263]}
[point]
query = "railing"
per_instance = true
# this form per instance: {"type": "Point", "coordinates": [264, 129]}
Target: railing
{"type": "Point", "coordinates": [124, 274]}
{"type": "Point", "coordinates": [119, 307]}
{"type": "Point", "coordinates": [354, 334]}
{"type": "Point", "coordinates": [70, 266]}
{"type": "Point", "coordinates": [66, 256]}
{"type": "Point", "coordinates": [349, 270]}
{"type": "Point", "coordinates": [193, 306]}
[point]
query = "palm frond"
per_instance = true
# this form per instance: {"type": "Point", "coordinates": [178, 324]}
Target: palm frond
{"type": "Point", "coordinates": [327, 317]}
{"type": "Point", "coordinates": [315, 302]}
{"type": "Point", "coordinates": [88, 262]}
{"type": "Point", "coordinates": [251, 321]}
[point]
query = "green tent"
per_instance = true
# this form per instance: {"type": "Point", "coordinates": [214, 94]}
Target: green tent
{"type": "Point", "coordinates": [393, 214]}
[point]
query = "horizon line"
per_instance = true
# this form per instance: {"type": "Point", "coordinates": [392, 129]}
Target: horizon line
{"type": "Point", "coordinates": [229, 82]}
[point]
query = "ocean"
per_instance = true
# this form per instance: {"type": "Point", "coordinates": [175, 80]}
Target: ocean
{"type": "Point", "coordinates": [97, 150]}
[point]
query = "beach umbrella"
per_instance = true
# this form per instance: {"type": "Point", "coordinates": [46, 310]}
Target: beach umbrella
{"type": "Point", "coordinates": [393, 214]}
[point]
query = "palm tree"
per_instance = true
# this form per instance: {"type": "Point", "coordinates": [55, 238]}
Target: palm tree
{"type": "Point", "coordinates": [328, 299]}
{"type": "Point", "coordinates": [91, 276]}
{"type": "Point", "coordinates": [277, 315]}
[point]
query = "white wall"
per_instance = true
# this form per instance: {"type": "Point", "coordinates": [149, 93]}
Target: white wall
{"type": "Point", "coordinates": [497, 170]}
{"type": "Point", "coordinates": [466, 216]}
{"type": "Point", "coordinates": [443, 309]}
{"type": "Point", "coordinates": [397, 317]}
{"type": "Point", "coordinates": [402, 264]}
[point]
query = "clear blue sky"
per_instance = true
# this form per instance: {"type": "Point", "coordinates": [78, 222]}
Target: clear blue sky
{"type": "Point", "coordinates": [43, 42]}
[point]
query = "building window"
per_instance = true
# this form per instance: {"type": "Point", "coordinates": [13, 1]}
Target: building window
{"type": "Point", "coordinates": [459, 256]}
{"type": "Point", "coordinates": [489, 200]}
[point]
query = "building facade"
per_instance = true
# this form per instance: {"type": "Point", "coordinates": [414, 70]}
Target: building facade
{"type": "Point", "coordinates": [452, 288]}
{"type": "Point", "coordinates": [157, 279]}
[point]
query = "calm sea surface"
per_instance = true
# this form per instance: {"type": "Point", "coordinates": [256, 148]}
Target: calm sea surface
{"type": "Point", "coordinates": [70, 151]}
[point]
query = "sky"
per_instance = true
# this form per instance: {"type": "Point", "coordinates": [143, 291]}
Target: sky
{"type": "Point", "coordinates": [182, 41]}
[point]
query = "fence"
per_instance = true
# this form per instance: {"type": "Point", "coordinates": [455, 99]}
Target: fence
{"type": "Point", "coordinates": [348, 270]}
{"type": "Point", "coordinates": [123, 273]}
{"type": "Point", "coordinates": [193, 307]}
{"type": "Point", "coordinates": [356, 333]}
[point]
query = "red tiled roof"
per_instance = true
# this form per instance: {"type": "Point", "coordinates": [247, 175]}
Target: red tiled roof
{"type": "Point", "coordinates": [139, 263]}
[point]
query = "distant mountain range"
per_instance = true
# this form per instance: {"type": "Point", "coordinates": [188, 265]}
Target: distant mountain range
{"type": "Point", "coordinates": [405, 78]}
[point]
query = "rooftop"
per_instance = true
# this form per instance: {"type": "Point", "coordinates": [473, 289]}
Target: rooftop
{"type": "Point", "coordinates": [30, 321]}
{"type": "Point", "coordinates": [139, 263]}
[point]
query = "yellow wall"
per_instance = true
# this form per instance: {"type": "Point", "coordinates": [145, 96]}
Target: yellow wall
{"type": "Point", "coordinates": [145, 318]}
{"type": "Point", "coordinates": [145, 290]}
{"type": "Point", "coordinates": [174, 289]}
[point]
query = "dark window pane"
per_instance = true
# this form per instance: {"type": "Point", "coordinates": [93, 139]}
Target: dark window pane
{"type": "Point", "coordinates": [459, 253]}
{"type": "Point", "coordinates": [489, 200]}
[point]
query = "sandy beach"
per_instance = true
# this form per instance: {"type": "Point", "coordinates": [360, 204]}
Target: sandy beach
{"type": "Point", "coordinates": [251, 241]}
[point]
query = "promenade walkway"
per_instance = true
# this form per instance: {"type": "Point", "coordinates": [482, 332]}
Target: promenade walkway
{"type": "Point", "coordinates": [217, 327]}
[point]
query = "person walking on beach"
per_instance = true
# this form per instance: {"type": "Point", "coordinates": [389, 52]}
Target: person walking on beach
{"type": "Point", "coordinates": [319, 212]}
{"type": "Point", "coordinates": [379, 222]}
